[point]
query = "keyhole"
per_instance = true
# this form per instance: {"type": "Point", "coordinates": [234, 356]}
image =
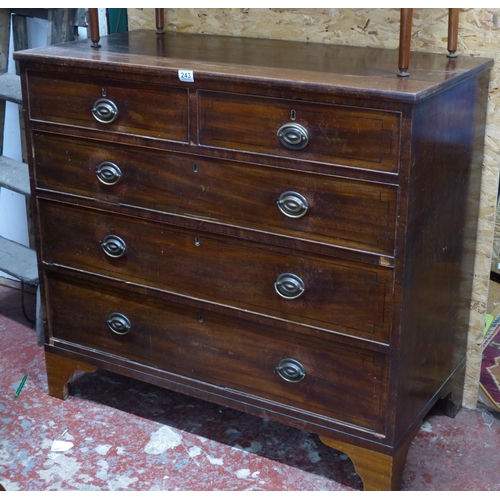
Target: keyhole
{"type": "Point", "coordinates": [104, 92]}
{"type": "Point", "coordinates": [197, 241]}
{"type": "Point", "coordinates": [195, 168]}
{"type": "Point", "coordinates": [293, 114]}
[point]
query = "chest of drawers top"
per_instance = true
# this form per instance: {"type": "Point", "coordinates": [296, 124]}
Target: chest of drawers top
{"type": "Point", "coordinates": [282, 64]}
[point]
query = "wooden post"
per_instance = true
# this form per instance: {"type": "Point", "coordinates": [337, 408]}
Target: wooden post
{"type": "Point", "coordinates": [94, 28]}
{"type": "Point", "coordinates": [160, 21]}
{"type": "Point", "coordinates": [4, 61]}
{"type": "Point", "coordinates": [61, 26]}
{"type": "Point", "coordinates": [405, 41]}
{"type": "Point", "coordinates": [453, 15]}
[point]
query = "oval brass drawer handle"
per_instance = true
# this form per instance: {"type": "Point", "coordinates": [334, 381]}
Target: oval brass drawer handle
{"type": "Point", "coordinates": [114, 246]}
{"type": "Point", "coordinates": [119, 323]}
{"type": "Point", "coordinates": [289, 286]}
{"type": "Point", "coordinates": [293, 136]}
{"type": "Point", "coordinates": [292, 204]}
{"type": "Point", "coordinates": [105, 111]}
{"type": "Point", "coordinates": [291, 370]}
{"type": "Point", "coordinates": [108, 173]}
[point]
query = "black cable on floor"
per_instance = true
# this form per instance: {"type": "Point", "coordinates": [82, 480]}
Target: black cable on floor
{"type": "Point", "coordinates": [24, 306]}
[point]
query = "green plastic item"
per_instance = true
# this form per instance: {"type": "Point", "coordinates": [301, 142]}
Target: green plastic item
{"type": "Point", "coordinates": [489, 320]}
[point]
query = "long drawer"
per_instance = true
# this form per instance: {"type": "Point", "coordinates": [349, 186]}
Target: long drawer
{"type": "Point", "coordinates": [339, 383]}
{"type": "Point", "coordinates": [326, 133]}
{"type": "Point", "coordinates": [98, 104]}
{"type": "Point", "coordinates": [331, 294]}
{"type": "Point", "coordinates": [329, 210]}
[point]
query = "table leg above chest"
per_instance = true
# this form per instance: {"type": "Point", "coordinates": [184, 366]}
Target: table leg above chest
{"type": "Point", "coordinates": [406, 18]}
{"type": "Point", "coordinates": [94, 25]}
{"type": "Point", "coordinates": [452, 32]}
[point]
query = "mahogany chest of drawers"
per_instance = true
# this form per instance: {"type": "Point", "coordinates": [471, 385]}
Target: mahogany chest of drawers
{"type": "Point", "coordinates": [284, 228]}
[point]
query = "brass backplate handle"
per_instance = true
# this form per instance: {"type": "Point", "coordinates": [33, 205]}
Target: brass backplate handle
{"type": "Point", "coordinates": [292, 204]}
{"type": "Point", "coordinates": [289, 286]}
{"type": "Point", "coordinates": [108, 173]}
{"type": "Point", "coordinates": [291, 370]}
{"type": "Point", "coordinates": [119, 323]}
{"type": "Point", "coordinates": [293, 136]}
{"type": "Point", "coordinates": [105, 111]}
{"type": "Point", "coordinates": [113, 246]}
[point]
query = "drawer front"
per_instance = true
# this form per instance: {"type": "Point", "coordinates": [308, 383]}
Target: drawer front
{"type": "Point", "coordinates": [148, 111]}
{"type": "Point", "coordinates": [219, 351]}
{"type": "Point", "coordinates": [330, 294]}
{"type": "Point", "coordinates": [323, 209]}
{"type": "Point", "coordinates": [324, 133]}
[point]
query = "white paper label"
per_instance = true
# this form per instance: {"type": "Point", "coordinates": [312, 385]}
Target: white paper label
{"type": "Point", "coordinates": [61, 446]}
{"type": "Point", "coordinates": [186, 75]}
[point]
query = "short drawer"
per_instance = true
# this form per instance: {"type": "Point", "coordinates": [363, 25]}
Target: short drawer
{"type": "Point", "coordinates": [337, 382]}
{"type": "Point", "coordinates": [324, 209]}
{"type": "Point", "coordinates": [326, 133]}
{"type": "Point", "coordinates": [331, 294]}
{"type": "Point", "coordinates": [94, 103]}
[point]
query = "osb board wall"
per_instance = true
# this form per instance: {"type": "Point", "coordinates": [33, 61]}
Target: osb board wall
{"type": "Point", "coordinates": [495, 252]}
{"type": "Point", "coordinates": [479, 35]}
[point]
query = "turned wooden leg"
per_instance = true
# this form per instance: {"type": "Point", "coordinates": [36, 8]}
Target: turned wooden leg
{"type": "Point", "coordinates": [94, 28]}
{"type": "Point", "coordinates": [60, 370]}
{"type": "Point", "coordinates": [405, 41]}
{"type": "Point", "coordinates": [453, 31]}
{"type": "Point", "coordinates": [379, 472]}
{"type": "Point", "coordinates": [160, 21]}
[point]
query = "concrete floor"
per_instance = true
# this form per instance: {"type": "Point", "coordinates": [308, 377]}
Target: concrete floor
{"type": "Point", "coordinates": [115, 434]}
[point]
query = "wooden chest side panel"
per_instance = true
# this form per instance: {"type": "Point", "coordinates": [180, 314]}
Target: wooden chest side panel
{"type": "Point", "coordinates": [443, 205]}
